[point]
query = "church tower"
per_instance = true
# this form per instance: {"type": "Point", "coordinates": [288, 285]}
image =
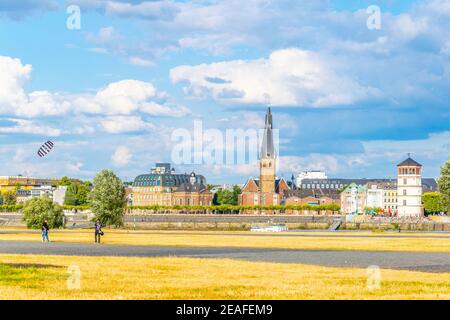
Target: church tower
{"type": "Point", "coordinates": [267, 162]}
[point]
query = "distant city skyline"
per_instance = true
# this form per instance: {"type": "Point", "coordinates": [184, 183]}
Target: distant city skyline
{"type": "Point", "coordinates": [350, 95]}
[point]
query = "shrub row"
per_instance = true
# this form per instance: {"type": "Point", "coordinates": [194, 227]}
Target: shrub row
{"type": "Point", "coordinates": [328, 207]}
{"type": "Point", "coordinates": [11, 207]}
{"type": "Point", "coordinates": [220, 208]}
{"type": "Point", "coordinates": [19, 207]}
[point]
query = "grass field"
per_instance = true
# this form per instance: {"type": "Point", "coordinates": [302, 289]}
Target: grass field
{"type": "Point", "coordinates": [375, 241]}
{"type": "Point", "coordinates": [45, 277]}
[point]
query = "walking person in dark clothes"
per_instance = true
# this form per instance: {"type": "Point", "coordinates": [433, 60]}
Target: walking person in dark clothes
{"type": "Point", "coordinates": [98, 231]}
{"type": "Point", "coordinates": [45, 229]}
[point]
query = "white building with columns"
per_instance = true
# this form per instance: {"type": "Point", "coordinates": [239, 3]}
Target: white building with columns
{"type": "Point", "coordinates": [409, 189]}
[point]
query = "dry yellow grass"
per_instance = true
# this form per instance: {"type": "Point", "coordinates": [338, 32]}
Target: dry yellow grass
{"type": "Point", "coordinates": [187, 278]}
{"type": "Point", "coordinates": [375, 242]}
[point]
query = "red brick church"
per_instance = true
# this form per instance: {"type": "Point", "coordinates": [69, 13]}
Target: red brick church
{"type": "Point", "coordinates": [267, 190]}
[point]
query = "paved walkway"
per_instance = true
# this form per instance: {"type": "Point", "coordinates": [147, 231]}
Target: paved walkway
{"type": "Point", "coordinates": [301, 233]}
{"type": "Point", "coordinates": [419, 261]}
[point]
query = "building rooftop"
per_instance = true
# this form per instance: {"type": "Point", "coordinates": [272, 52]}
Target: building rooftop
{"type": "Point", "coordinates": [163, 175]}
{"type": "Point", "coordinates": [191, 187]}
{"type": "Point", "coordinates": [409, 163]}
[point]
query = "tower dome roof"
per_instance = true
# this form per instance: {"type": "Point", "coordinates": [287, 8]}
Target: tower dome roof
{"type": "Point", "coordinates": [409, 163]}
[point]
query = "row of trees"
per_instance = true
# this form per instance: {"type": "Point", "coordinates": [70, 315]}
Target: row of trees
{"type": "Point", "coordinates": [106, 200]}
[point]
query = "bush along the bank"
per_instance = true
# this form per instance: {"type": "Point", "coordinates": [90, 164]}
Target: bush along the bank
{"type": "Point", "coordinates": [36, 210]}
{"type": "Point", "coordinates": [11, 207]}
{"type": "Point", "coordinates": [230, 209]}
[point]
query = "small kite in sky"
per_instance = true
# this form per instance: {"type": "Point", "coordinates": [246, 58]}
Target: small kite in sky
{"type": "Point", "coordinates": [45, 148]}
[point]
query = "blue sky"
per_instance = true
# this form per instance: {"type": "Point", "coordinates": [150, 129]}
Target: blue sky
{"type": "Point", "coordinates": [347, 99]}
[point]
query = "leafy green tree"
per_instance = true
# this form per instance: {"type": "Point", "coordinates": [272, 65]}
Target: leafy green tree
{"type": "Point", "coordinates": [215, 200]}
{"type": "Point", "coordinates": [236, 192]}
{"type": "Point", "coordinates": [82, 194]}
{"type": "Point", "coordinates": [223, 197]}
{"type": "Point", "coordinates": [70, 198]}
{"type": "Point", "coordinates": [65, 181]}
{"type": "Point", "coordinates": [444, 185]}
{"type": "Point", "coordinates": [1, 199]}
{"type": "Point", "coordinates": [88, 184]}
{"type": "Point", "coordinates": [433, 202]}
{"type": "Point", "coordinates": [36, 210]}
{"type": "Point", "coordinates": [9, 197]}
{"type": "Point", "coordinates": [107, 198]}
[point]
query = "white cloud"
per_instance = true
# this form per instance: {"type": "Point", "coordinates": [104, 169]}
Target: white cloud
{"type": "Point", "coordinates": [407, 27]}
{"type": "Point", "coordinates": [121, 156]}
{"type": "Point", "coordinates": [327, 163]}
{"type": "Point", "coordinates": [119, 98]}
{"type": "Point", "coordinates": [141, 62]}
{"type": "Point", "coordinates": [104, 36]}
{"type": "Point", "coordinates": [29, 127]}
{"type": "Point", "coordinates": [128, 96]}
{"type": "Point", "coordinates": [216, 44]}
{"type": "Point", "coordinates": [15, 100]}
{"type": "Point", "coordinates": [121, 124]}
{"type": "Point", "coordinates": [124, 97]}
{"type": "Point", "coordinates": [99, 50]}
{"type": "Point", "coordinates": [291, 77]}
{"type": "Point", "coordinates": [159, 10]}
{"type": "Point", "coordinates": [14, 10]}
{"type": "Point", "coordinates": [74, 168]}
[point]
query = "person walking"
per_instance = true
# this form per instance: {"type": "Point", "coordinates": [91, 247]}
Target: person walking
{"type": "Point", "coordinates": [45, 229]}
{"type": "Point", "coordinates": [98, 231]}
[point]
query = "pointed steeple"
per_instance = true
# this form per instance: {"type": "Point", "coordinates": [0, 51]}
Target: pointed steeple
{"type": "Point", "coordinates": [267, 148]}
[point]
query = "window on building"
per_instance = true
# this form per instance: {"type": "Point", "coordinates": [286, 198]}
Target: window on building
{"type": "Point", "coordinates": [404, 202]}
{"type": "Point", "coordinates": [405, 181]}
{"type": "Point", "coordinates": [404, 192]}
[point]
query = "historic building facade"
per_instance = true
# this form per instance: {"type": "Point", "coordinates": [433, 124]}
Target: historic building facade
{"type": "Point", "coordinates": [353, 199]}
{"type": "Point", "coordinates": [166, 188]}
{"type": "Point", "coordinates": [409, 189]}
{"type": "Point", "coordinates": [8, 183]}
{"type": "Point", "coordinates": [267, 190]}
{"type": "Point", "coordinates": [312, 197]}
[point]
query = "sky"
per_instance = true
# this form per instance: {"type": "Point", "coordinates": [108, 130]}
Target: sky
{"type": "Point", "coordinates": [352, 92]}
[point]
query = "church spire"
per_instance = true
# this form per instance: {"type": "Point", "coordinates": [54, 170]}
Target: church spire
{"type": "Point", "coordinates": [267, 148]}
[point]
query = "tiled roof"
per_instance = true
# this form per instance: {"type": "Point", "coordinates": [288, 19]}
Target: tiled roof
{"type": "Point", "coordinates": [189, 187]}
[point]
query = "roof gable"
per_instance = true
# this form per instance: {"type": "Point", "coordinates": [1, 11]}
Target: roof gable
{"type": "Point", "coordinates": [250, 186]}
